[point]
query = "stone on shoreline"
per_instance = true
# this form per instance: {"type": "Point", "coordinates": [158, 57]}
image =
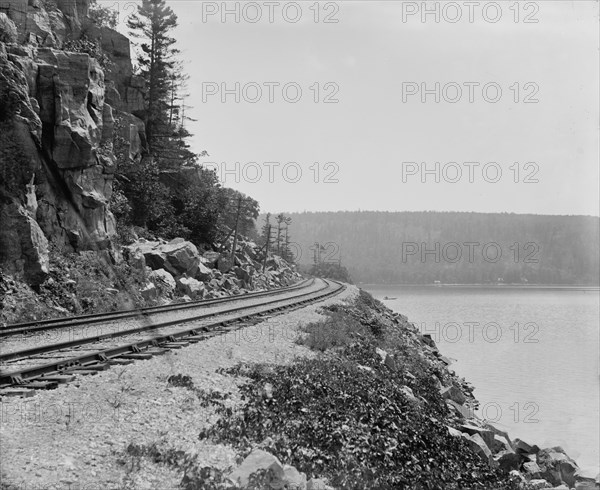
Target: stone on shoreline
{"type": "Point", "coordinates": [486, 435]}
{"type": "Point", "coordinates": [478, 445]}
{"type": "Point", "coordinates": [508, 461]}
{"type": "Point", "coordinates": [281, 476]}
{"type": "Point", "coordinates": [258, 460]}
{"type": "Point", "coordinates": [453, 393]}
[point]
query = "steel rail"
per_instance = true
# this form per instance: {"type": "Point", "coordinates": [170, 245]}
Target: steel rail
{"type": "Point", "coordinates": [23, 376]}
{"type": "Point", "coordinates": [43, 349]}
{"type": "Point", "coordinates": [58, 323]}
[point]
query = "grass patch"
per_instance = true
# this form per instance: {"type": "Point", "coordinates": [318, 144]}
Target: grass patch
{"type": "Point", "coordinates": [337, 330]}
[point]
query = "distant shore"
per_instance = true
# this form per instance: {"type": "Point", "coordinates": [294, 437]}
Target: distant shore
{"type": "Point", "coordinates": [582, 287]}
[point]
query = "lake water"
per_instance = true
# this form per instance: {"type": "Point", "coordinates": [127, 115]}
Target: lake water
{"type": "Point", "coordinates": [532, 355]}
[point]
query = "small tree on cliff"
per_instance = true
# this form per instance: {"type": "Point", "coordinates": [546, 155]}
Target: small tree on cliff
{"type": "Point", "coordinates": [152, 23]}
{"type": "Point", "coordinates": [103, 16]}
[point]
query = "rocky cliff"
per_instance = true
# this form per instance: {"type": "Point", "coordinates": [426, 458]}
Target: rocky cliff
{"type": "Point", "coordinates": [58, 106]}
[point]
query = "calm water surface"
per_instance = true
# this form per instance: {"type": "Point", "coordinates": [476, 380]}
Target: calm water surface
{"type": "Point", "coordinates": [532, 355]}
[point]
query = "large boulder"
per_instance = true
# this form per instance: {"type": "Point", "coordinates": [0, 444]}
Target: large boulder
{"type": "Point", "coordinates": [163, 280]}
{"type": "Point", "coordinates": [486, 435]}
{"type": "Point", "coordinates": [587, 476]}
{"type": "Point", "coordinates": [178, 256]}
{"type": "Point", "coordinates": [181, 257]}
{"type": "Point", "coordinates": [500, 444]}
{"type": "Point", "coordinates": [521, 447]}
{"type": "Point", "coordinates": [203, 273]}
{"type": "Point", "coordinates": [191, 287]}
{"type": "Point", "coordinates": [479, 447]}
{"type": "Point", "coordinates": [453, 393]}
{"type": "Point", "coordinates": [256, 461]}
{"type": "Point", "coordinates": [292, 478]}
{"type": "Point", "coordinates": [556, 466]}
{"type": "Point", "coordinates": [508, 461]}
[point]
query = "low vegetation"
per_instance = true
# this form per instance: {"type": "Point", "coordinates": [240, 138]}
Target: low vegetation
{"type": "Point", "coordinates": [349, 417]}
{"type": "Point", "coordinates": [78, 283]}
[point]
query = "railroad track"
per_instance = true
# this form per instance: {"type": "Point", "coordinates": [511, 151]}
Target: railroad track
{"type": "Point", "coordinates": [69, 360]}
{"type": "Point", "coordinates": [100, 327]}
{"type": "Point", "coordinates": [94, 318]}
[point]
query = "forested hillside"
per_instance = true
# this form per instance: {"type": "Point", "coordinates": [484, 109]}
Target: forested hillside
{"type": "Point", "coordinates": [465, 248]}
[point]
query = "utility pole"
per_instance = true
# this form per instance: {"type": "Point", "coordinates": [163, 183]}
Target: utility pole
{"type": "Point", "coordinates": [267, 248]}
{"type": "Point", "coordinates": [235, 233]}
{"type": "Point", "coordinates": [285, 244]}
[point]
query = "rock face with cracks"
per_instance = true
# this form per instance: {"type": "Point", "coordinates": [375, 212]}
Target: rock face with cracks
{"type": "Point", "coordinates": [57, 117]}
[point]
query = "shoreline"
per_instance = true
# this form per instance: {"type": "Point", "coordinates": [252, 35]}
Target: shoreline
{"type": "Point", "coordinates": [518, 378]}
{"type": "Point", "coordinates": [557, 287]}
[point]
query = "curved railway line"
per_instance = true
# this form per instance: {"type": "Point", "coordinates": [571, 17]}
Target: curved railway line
{"type": "Point", "coordinates": [46, 365]}
{"type": "Point", "coordinates": [93, 318]}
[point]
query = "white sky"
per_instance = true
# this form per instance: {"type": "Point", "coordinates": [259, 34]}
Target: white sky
{"type": "Point", "coordinates": [368, 54]}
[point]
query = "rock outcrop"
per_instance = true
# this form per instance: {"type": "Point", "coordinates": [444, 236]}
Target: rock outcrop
{"type": "Point", "coordinates": [57, 122]}
{"type": "Point", "coordinates": [207, 275]}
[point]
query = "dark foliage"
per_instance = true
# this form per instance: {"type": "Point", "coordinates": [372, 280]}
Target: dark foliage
{"type": "Point", "coordinates": [346, 416]}
{"type": "Point", "coordinates": [90, 47]}
{"type": "Point", "coordinates": [356, 427]}
{"type": "Point", "coordinates": [103, 16]}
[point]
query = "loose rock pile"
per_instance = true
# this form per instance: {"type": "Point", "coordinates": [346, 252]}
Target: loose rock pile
{"type": "Point", "coordinates": [178, 269]}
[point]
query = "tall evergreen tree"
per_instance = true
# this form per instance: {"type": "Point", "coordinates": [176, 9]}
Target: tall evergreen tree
{"type": "Point", "coordinates": [153, 22]}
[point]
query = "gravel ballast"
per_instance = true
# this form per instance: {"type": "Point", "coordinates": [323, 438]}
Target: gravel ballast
{"type": "Point", "coordinates": [75, 437]}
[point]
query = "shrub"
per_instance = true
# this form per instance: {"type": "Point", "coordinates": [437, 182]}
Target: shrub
{"type": "Point", "coordinates": [90, 47]}
{"type": "Point", "coordinates": [329, 417]}
{"type": "Point", "coordinates": [338, 330]}
{"type": "Point", "coordinates": [102, 16]}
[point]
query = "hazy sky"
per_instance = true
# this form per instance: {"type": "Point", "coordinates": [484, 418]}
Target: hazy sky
{"type": "Point", "coordinates": [372, 61]}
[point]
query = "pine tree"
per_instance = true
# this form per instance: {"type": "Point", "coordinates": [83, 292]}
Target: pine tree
{"type": "Point", "coordinates": [152, 23]}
